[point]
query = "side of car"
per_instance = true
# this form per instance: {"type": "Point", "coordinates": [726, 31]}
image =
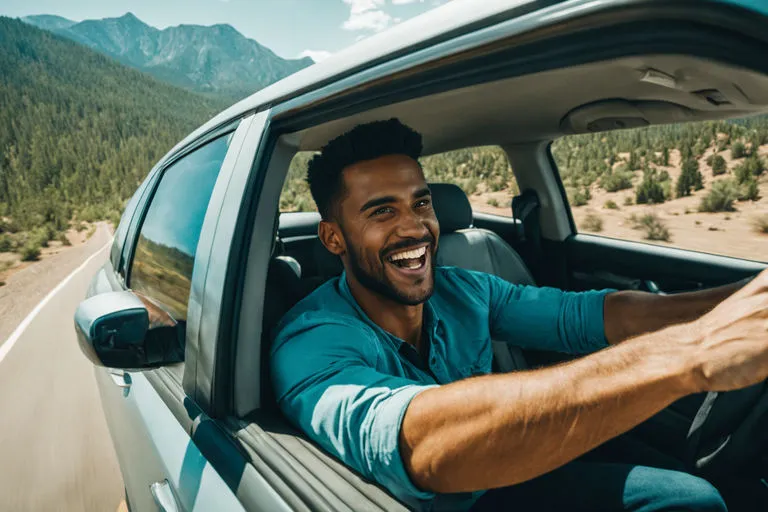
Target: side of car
{"type": "Point", "coordinates": [198, 237]}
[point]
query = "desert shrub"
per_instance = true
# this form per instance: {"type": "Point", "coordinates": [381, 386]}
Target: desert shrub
{"type": "Point", "coordinates": [592, 222]}
{"type": "Point", "coordinates": [650, 191]}
{"type": "Point", "coordinates": [720, 198]}
{"type": "Point", "coordinates": [616, 181]}
{"type": "Point", "coordinates": [81, 226]}
{"type": "Point", "coordinates": [470, 186]}
{"type": "Point", "coordinates": [578, 196]}
{"type": "Point", "coordinates": [8, 226]}
{"type": "Point", "coordinates": [710, 159]}
{"type": "Point", "coordinates": [654, 227]}
{"type": "Point", "coordinates": [754, 166]}
{"type": "Point", "coordinates": [738, 150]}
{"type": "Point", "coordinates": [493, 202]}
{"type": "Point", "coordinates": [628, 201]}
{"type": "Point", "coordinates": [760, 223]}
{"type": "Point", "coordinates": [30, 251]}
{"type": "Point", "coordinates": [749, 191]}
{"type": "Point", "coordinates": [718, 165]}
{"type": "Point", "coordinates": [611, 205]}
{"type": "Point", "coordinates": [64, 240]}
{"type": "Point", "coordinates": [6, 243]}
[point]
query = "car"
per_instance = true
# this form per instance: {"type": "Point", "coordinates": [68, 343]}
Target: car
{"type": "Point", "coordinates": [203, 264]}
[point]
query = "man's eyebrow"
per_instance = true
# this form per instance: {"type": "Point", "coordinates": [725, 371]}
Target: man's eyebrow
{"type": "Point", "coordinates": [378, 201]}
{"type": "Point", "coordinates": [422, 192]}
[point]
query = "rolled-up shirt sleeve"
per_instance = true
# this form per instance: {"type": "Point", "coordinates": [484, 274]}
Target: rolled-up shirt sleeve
{"type": "Point", "coordinates": [326, 382]}
{"type": "Point", "coordinates": [547, 318]}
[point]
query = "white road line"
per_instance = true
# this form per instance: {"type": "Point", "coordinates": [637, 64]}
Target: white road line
{"type": "Point", "coordinates": [15, 335]}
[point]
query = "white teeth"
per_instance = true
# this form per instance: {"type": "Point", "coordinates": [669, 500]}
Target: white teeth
{"type": "Point", "coordinates": [409, 255]}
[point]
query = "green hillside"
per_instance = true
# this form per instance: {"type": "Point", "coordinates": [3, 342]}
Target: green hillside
{"type": "Point", "coordinates": [78, 132]}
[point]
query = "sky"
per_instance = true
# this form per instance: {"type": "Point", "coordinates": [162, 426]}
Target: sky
{"type": "Point", "coordinates": [291, 28]}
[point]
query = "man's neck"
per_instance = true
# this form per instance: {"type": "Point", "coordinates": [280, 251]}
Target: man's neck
{"type": "Point", "coordinates": [400, 320]}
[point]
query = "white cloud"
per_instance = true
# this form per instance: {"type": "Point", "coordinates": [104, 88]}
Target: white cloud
{"type": "Point", "coordinates": [366, 15]}
{"type": "Point", "coordinates": [315, 55]}
{"type": "Point", "coordinates": [402, 2]}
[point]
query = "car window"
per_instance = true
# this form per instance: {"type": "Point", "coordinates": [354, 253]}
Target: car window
{"type": "Point", "coordinates": [165, 251]}
{"type": "Point", "coordinates": [295, 196]}
{"type": "Point", "coordinates": [482, 172]}
{"type": "Point", "coordinates": [699, 186]}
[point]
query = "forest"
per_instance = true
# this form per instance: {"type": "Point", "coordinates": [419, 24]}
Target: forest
{"type": "Point", "coordinates": [78, 133]}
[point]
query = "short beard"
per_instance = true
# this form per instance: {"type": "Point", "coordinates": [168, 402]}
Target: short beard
{"type": "Point", "coordinates": [381, 285]}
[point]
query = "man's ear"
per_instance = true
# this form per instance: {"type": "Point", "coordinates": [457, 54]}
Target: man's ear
{"type": "Point", "coordinates": [330, 235]}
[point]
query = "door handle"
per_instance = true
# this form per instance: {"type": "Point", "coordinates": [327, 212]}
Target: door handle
{"type": "Point", "coordinates": [120, 378]}
{"type": "Point", "coordinates": [164, 497]}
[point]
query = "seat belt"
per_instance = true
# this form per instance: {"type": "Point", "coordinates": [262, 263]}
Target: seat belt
{"type": "Point", "coordinates": [526, 209]}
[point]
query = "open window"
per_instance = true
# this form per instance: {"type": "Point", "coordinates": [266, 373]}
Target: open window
{"type": "Point", "coordinates": [517, 97]}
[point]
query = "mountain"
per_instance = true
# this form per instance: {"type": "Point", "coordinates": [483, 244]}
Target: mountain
{"type": "Point", "coordinates": [49, 22]}
{"type": "Point", "coordinates": [78, 131]}
{"type": "Point", "coordinates": [216, 59]}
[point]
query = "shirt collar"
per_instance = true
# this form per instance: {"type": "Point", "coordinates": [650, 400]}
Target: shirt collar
{"type": "Point", "coordinates": [431, 317]}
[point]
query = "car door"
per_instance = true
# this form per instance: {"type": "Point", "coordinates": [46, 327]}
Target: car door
{"type": "Point", "coordinates": [151, 419]}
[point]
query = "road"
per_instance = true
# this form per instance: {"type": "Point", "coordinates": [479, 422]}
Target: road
{"type": "Point", "coordinates": [55, 448]}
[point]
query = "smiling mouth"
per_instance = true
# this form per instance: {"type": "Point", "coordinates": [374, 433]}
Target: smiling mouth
{"type": "Point", "coordinates": [411, 259]}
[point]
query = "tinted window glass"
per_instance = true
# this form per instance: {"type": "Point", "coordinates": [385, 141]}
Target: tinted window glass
{"type": "Point", "coordinates": [700, 186]}
{"type": "Point", "coordinates": [165, 251]}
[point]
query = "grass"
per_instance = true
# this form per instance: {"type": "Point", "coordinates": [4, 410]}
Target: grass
{"type": "Point", "coordinates": [593, 223]}
{"type": "Point", "coordinates": [760, 224]}
{"type": "Point", "coordinates": [654, 227]}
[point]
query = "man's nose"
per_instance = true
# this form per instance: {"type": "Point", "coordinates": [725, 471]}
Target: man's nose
{"type": "Point", "coordinates": [411, 225]}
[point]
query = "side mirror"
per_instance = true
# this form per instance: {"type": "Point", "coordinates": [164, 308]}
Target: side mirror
{"type": "Point", "coordinates": [124, 330]}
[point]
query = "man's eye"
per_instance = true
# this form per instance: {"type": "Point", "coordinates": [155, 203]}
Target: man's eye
{"type": "Point", "coordinates": [423, 203]}
{"type": "Point", "coordinates": [381, 211]}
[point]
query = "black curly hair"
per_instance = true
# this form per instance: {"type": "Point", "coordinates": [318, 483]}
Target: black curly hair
{"type": "Point", "coordinates": [364, 142]}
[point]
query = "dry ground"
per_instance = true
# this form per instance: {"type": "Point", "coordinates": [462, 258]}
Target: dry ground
{"type": "Point", "coordinates": [10, 262]}
{"type": "Point", "coordinates": [730, 234]}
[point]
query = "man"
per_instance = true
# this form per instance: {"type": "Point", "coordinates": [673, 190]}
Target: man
{"type": "Point", "coordinates": [374, 365]}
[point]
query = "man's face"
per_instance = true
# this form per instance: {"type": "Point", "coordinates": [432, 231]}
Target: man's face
{"type": "Point", "coordinates": [388, 228]}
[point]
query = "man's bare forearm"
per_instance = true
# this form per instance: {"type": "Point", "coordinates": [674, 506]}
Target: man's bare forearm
{"type": "Point", "coordinates": [500, 430]}
{"type": "Point", "coordinates": [632, 313]}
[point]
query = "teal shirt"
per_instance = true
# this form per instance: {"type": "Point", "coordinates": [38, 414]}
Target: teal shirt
{"type": "Point", "coordinates": [346, 382]}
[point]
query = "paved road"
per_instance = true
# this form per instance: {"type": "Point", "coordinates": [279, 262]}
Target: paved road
{"type": "Point", "coordinates": [55, 449]}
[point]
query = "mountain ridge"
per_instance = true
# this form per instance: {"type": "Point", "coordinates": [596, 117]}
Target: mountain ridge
{"type": "Point", "coordinates": [215, 59]}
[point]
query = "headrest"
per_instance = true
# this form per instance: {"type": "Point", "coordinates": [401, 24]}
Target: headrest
{"type": "Point", "coordinates": [451, 207]}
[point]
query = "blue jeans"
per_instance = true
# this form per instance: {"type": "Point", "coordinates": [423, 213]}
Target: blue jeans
{"type": "Point", "coordinates": [604, 486]}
